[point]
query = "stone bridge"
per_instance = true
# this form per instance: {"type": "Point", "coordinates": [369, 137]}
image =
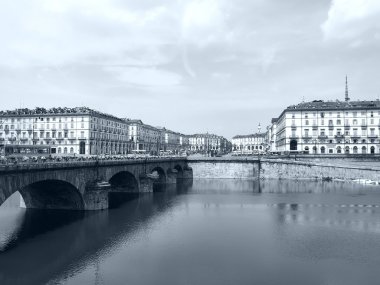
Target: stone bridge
{"type": "Point", "coordinates": [86, 185]}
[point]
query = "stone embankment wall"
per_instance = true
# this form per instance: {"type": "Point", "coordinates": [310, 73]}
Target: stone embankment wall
{"type": "Point", "coordinates": [272, 169]}
{"type": "Point", "coordinates": [308, 170]}
{"type": "Point", "coordinates": [238, 169]}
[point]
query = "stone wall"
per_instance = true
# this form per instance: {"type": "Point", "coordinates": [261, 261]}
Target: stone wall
{"type": "Point", "coordinates": [224, 169]}
{"type": "Point", "coordinates": [271, 169]}
{"type": "Point", "coordinates": [306, 170]}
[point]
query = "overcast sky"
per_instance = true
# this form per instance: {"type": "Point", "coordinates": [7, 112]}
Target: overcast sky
{"type": "Point", "coordinates": [220, 66]}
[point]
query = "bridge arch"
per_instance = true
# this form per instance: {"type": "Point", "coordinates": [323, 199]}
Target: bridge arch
{"type": "Point", "coordinates": [52, 194]}
{"type": "Point", "coordinates": [124, 181]}
{"type": "Point", "coordinates": [179, 171]}
{"type": "Point", "coordinates": [161, 173]}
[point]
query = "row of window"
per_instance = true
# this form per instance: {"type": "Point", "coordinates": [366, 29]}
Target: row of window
{"type": "Point", "coordinates": [41, 119]}
{"type": "Point", "coordinates": [339, 149]}
{"type": "Point", "coordinates": [42, 126]}
{"type": "Point", "coordinates": [354, 114]}
{"type": "Point", "coordinates": [338, 122]}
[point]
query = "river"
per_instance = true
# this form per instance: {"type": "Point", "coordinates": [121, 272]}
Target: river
{"type": "Point", "coordinates": [208, 232]}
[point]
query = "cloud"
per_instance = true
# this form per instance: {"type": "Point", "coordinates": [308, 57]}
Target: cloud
{"type": "Point", "coordinates": [353, 20]}
{"type": "Point", "coordinates": [148, 77]}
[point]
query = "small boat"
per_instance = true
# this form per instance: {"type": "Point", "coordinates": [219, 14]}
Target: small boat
{"type": "Point", "coordinates": [366, 181]}
{"type": "Point", "coordinates": [99, 185]}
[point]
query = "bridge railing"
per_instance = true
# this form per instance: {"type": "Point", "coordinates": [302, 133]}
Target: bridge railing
{"type": "Point", "coordinates": [48, 163]}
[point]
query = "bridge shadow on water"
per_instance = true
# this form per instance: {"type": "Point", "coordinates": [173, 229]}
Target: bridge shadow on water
{"type": "Point", "coordinates": [47, 244]}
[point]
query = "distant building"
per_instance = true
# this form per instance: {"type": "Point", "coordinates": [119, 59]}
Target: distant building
{"type": "Point", "coordinates": [65, 131]}
{"type": "Point", "coordinates": [250, 144]}
{"type": "Point", "coordinates": [272, 135]}
{"type": "Point", "coordinates": [144, 137]}
{"type": "Point", "coordinates": [210, 144]}
{"type": "Point", "coordinates": [174, 142]}
{"type": "Point", "coordinates": [330, 127]}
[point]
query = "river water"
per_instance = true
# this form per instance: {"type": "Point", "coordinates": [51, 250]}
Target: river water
{"type": "Point", "coordinates": [208, 232]}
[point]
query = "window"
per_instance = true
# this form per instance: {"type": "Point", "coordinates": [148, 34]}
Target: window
{"type": "Point", "coordinates": [338, 122]}
{"type": "Point", "coordinates": [307, 122]}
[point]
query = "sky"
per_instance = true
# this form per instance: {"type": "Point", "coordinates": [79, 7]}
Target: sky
{"type": "Point", "coordinates": [216, 66]}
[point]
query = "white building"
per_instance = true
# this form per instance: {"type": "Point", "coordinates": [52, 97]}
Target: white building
{"type": "Point", "coordinates": [144, 137]}
{"type": "Point", "coordinates": [272, 135]}
{"type": "Point", "coordinates": [64, 131]}
{"type": "Point", "coordinates": [250, 144]}
{"type": "Point", "coordinates": [330, 127]}
{"type": "Point", "coordinates": [209, 144]}
{"type": "Point", "coordinates": [174, 142]}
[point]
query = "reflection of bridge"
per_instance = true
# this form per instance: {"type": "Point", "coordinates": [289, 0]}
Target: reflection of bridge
{"type": "Point", "coordinates": [86, 185]}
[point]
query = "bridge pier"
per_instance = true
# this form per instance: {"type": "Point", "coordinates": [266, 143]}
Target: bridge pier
{"type": "Point", "coordinates": [187, 173]}
{"type": "Point", "coordinates": [96, 200]}
{"type": "Point", "coordinates": [96, 196]}
{"type": "Point", "coordinates": [146, 183]}
{"type": "Point", "coordinates": [171, 176]}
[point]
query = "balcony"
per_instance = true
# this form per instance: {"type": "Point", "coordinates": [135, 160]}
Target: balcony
{"type": "Point", "coordinates": [372, 136]}
{"type": "Point", "coordinates": [82, 138]}
{"type": "Point", "coordinates": [322, 137]}
{"type": "Point", "coordinates": [306, 137]}
{"type": "Point", "coordinates": [339, 136]}
{"type": "Point", "coordinates": [24, 139]}
{"type": "Point", "coordinates": [72, 138]}
{"type": "Point", "coordinates": [292, 137]}
{"type": "Point", "coordinates": [347, 126]}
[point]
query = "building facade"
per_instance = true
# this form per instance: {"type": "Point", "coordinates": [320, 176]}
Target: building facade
{"type": "Point", "coordinates": [250, 144]}
{"type": "Point", "coordinates": [66, 131]}
{"type": "Point", "coordinates": [174, 142]}
{"type": "Point", "coordinates": [330, 127]}
{"type": "Point", "coordinates": [144, 138]}
{"type": "Point", "coordinates": [272, 135]}
{"type": "Point", "coordinates": [209, 144]}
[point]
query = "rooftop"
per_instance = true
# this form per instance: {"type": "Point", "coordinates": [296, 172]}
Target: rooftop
{"type": "Point", "coordinates": [38, 111]}
{"type": "Point", "coordinates": [256, 135]}
{"type": "Point", "coordinates": [335, 105]}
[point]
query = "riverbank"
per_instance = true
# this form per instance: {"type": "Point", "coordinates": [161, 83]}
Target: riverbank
{"type": "Point", "coordinates": [264, 168]}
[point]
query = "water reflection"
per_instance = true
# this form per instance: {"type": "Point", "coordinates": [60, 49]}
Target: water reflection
{"type": "Point", "coordinates": [205, 232]}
